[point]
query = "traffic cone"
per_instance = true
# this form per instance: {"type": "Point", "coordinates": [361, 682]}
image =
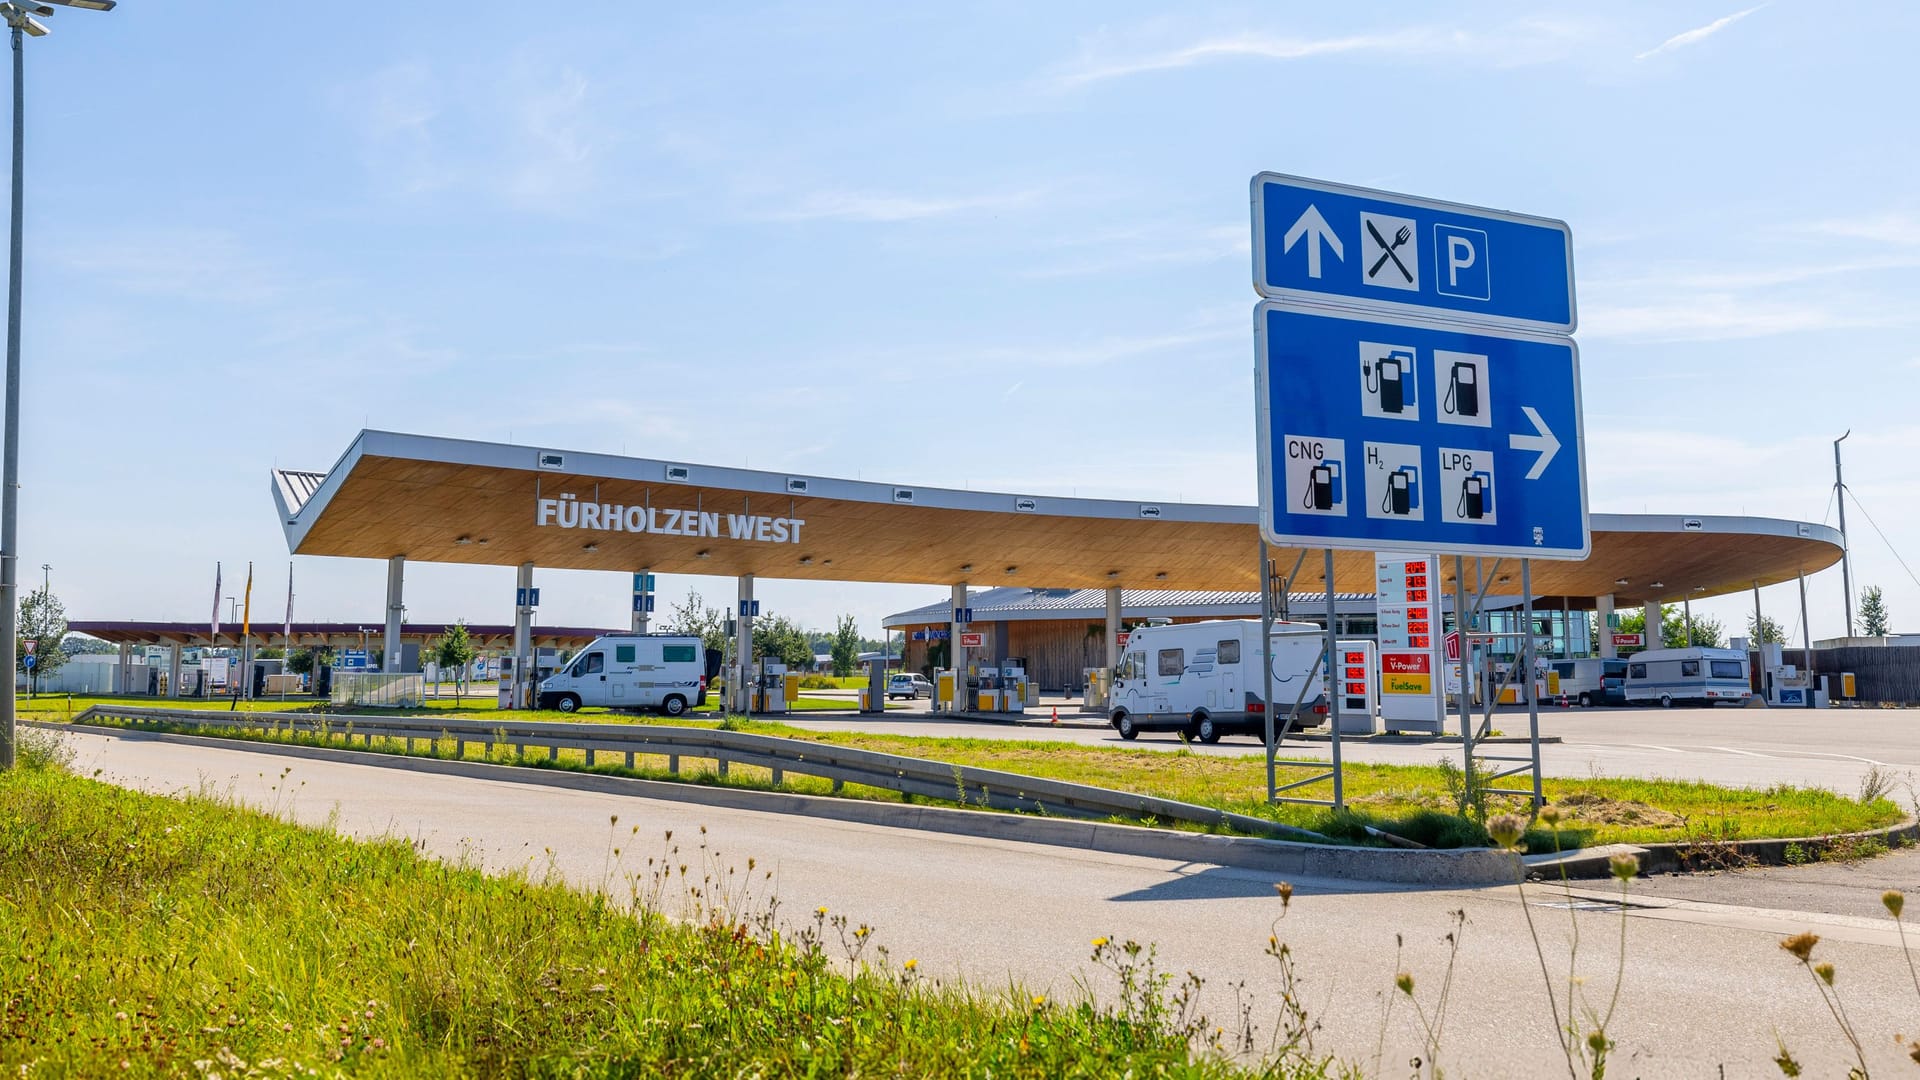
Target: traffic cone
{"type": "Point", "coordinates": [1056, 714]}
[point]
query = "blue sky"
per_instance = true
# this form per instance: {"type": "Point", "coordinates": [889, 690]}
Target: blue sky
{"type": "Point", "coordinates": [990, 245]}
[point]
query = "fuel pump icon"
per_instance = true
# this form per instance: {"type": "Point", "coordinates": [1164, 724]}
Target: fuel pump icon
{"type": "Point", "coordinates": [1390, 379]}
{"type": "Point", "coordinates": [1403, 491]}
{"type": "Point", "coordinates": [1476, 496]}
{"type": "Point", "coordinates": [1324, 488]}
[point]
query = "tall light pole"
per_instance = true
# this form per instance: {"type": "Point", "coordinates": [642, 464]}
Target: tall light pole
{"type": "Point", "coordinates": [1846, 559]}
{"type": "Point", "coordinates": [21, 18]}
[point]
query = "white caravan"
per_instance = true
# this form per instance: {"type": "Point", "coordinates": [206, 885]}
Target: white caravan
{"type": "Point", "coordinates": [1696, 674]}
{"type": "Point", "coordinates": [1203, 678]}
{"type": "Point", "coordinates": [1592, 680]}
{"type": "Point", "coordinates": [631, 671]}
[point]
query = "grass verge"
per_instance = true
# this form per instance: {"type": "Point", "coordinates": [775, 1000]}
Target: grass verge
{"type": "Point", "coordinates": [163, 937]}
{"type": "Point", "coordinates": [1423, 803]}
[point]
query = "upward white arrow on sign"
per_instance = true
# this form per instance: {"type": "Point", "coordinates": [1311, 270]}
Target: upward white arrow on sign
{"type": "Point", "coordinates": [1544, 442]}
{"type": "Point", "coordinates": [1315, 228]}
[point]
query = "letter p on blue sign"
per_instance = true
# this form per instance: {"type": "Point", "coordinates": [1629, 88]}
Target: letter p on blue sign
{"type": "Point", "coordinates": [1460, 256]}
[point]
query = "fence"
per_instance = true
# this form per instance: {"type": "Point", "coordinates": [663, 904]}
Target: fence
{"type": "Point", "coordinates": [379, 690]}
{"type": "Point", "coordinates": [839, 764]}
{"type": "Point", "coordinates": [1890, 674]}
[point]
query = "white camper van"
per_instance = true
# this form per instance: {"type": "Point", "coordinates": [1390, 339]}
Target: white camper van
{"type": "Point", "coordinates": [1592, 680]}
{"type": "Point", "coordinates": [1204, 678]}
{"type": "Point", "coordinates": [1697, 674]}
{"type": "Point", "coordinates": [631, 671]}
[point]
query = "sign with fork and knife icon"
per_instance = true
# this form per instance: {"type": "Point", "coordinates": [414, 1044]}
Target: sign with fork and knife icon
{"type": "Point", "coordinates": [1355, 247]}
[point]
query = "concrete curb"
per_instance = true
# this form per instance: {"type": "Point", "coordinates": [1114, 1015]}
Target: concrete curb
{"type": "Point", "coordinates": [1682, 858]}
{"type": "Point", "coordinates": [1464, 868]}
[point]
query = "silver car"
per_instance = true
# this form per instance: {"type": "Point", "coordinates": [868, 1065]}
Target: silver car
{"type": "Point", "coordinates": [908, 686]}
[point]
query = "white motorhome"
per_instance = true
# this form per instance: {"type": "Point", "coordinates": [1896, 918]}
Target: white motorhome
{"type": "Point", "coordinates": [1697, 674]}
{"type": "Point", "coordinates": [1204, 678]}
{"type": "Point", "coordinates": [631, 671]}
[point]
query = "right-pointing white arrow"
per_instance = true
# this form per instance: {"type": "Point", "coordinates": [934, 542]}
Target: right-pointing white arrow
{"type": "Point", "coordinates": [1544, 442]}
{"type": "Point", "coordinates": [1315, 228]}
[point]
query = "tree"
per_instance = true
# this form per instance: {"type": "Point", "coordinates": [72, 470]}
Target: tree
{"type": "Point", "coordinates": [1873, 612]}
{"type": "Point", "coordinates": [1707, 630]}
{"type": "Point", "coordinates": [453, 651]}
{"type": "Point", "coordinates": [300, 661]}
{"type": "Point", "coordinates": [43, 620]}
{"type": "Point", "coordinates": [779, 638]}
{"type": "Point", "coordinates": [846, 646]}
{"type": "Point", "coordinates": [82, 645]}
{"type": "Point", "coordinates": [1767, 633]}
{"type": "Point", "coordinates": [696, 618]}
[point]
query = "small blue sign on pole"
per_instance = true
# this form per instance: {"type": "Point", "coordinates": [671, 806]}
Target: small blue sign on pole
{"type": "Point", "coordinates": [643, 602]}
{"type": "Point", "coordinates": [963, 614]}
{"type": "Point", "coordinates": [1352, 246]}
{"type": "Point", "coordinates": [526, 597]}
{"type": "Point", "coordinates": [1393, 433]}
{"type": "Point", "coordinates": [643, 583]}
{"type": "Point", "coordinates": [750, 608]}
{"type": "Point", "coordinates": [31, 661]}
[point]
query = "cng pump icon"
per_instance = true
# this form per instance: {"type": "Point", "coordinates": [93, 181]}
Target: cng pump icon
{"type": "Point", "coordinates": [1325, 491]}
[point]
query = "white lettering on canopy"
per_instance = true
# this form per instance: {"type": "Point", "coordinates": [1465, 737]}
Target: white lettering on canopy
{"type": "Point", "coordinates": [569, 512]}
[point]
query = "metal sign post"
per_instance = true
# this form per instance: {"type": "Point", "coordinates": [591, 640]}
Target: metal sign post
{"type": "Point", "coordinates": [1333, 699]}
{"type": "Point", "coordinates": [1266, 656]}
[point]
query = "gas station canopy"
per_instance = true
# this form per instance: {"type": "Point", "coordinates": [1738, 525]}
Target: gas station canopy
{"type": "Point", "coordinates": [433, 499]}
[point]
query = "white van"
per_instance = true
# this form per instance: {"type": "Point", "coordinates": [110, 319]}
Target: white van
{"type": "Point", "coordinates": [1592, 680]}
{"type": "Point", "coordinates": [1696, 674]}
{"type": "Point", "coordinates": [1203, 678]}
{"type": "Point", "coordinates": [631, 671]}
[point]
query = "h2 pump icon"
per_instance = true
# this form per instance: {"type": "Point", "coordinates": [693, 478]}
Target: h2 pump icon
{"type": "Point", "coordinates": [1403, 491]}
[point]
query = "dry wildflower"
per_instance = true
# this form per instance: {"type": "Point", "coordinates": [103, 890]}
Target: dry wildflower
{"type": "Point", "coordinates": [1404, 981]}
{"type": "Point", "coordinates": [1800, 945]}
{"type": "Point", "coordinates": [1550, 815]}
{"type": "Point", "coordinates": [1285, 889]}
{"type": "Point", "coordinates": [1894, 900]}
{"type": "Point", "coordinates": [1825, 971]}
{"type": "Point", "coordinates": [1506, 831]}
{"type": "Point", "coordinates": [1597, 1041]}
{"type": "Point", "coordinates": [1624, 866]}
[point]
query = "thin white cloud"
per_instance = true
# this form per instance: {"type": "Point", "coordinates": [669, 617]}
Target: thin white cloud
{"type": "Point", "coordinates": [1893, 229]}
{"type": "Point", "coordinates": [1719, 317]}
{"type": "Point", "coordinates": [870, 206]}
{"type": "Point", "coordinates": [1138, 249]}
{"type": "Point", "coordinates": [1524, 42]}
{"type": "Point", "coordinates": [1698, 34]}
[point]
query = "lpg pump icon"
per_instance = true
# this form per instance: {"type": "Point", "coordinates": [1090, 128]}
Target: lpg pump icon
{"type": "Point", "coordinates": [1324, 487]}
{"type": "Point", "coordinates": [1403, 491]}
{"type": "Point", "coordinates": [1476, 496]}
{"type": "Point", "coordinates": [1390, 378]}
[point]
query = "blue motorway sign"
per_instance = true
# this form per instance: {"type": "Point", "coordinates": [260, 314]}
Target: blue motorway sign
{"type": "Point", "coordinates": [1351, 246]}
{"type": "Point", "coordinates": [350, 660]}
{"type": "Point", "coordinates": [1391, 433]}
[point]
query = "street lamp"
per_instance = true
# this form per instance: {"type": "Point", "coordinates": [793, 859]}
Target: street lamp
{"type": "Point", "coordinates": [21, 17]}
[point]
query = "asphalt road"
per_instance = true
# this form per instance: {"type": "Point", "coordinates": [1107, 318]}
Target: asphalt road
{"type": "Point", "coordinates": [1830, 748]}
{"type": "Point", "coordinates": [1706, 985]}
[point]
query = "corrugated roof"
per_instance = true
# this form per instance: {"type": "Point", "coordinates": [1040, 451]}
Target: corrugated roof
{"type": "Point", "coordinates": [296, 487]}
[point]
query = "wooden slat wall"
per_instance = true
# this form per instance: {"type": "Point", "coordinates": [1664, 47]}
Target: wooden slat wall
{"type": "Point", "coordinates": [1890, 674]}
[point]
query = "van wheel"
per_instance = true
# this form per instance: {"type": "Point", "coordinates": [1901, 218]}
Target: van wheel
{"type": "Point", "coordinates": [1207, 731]}
{"type": "Point", "coordinates": [1666, 701]}
{"type": "Point", "coordinates": [1586, 700]}
{"type": "Point", "coordinates": [1125, 726]}
{"type": "Point", "coordinates": [567, 703]}
{"type": "Point", "coordinates": [674, 705]}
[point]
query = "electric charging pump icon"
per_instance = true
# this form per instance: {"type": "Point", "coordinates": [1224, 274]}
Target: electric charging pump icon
{"type": "Point", "coordinates": [1476, 497]}
{"type": "Point", "coordinates": [1324, 489]}
{"type": "Point", "coordinates": [1403, 491]}
{"type": "Point", "coordinates": [1463, 390]}
{"type": "Point", "coordinates": [1390, 377]}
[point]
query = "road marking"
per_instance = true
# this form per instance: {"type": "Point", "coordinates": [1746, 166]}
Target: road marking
{"type": "Point", "coordinates": [1863, 931]}
{"type": "Point", "coordinates": [1850, 757]}
{"type": "Point", "coordinates": [1742, 753]}
{"type": "Point", "coordinates": [1650, 746]}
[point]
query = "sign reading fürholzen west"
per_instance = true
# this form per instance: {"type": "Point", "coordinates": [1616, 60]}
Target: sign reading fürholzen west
{"type": "Point", "coordinates": [571, 512]}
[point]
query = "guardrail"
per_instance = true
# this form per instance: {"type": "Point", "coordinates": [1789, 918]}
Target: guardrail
{"type": "Point", "coordinates": [839, 764]}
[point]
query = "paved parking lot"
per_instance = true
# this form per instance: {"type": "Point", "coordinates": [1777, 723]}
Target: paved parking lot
{"type": "Point", "coordinates": [1832, 748]}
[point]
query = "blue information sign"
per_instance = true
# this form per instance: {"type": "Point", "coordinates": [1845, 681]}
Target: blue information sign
{"type": "Point", "coordinates": [526, 597]}
{"type": "Point", "coordinates": [749, 607]}
{"type": "Point", "coordinates": [1314, 240]}
{"type": "Point", "coordinates": [643, 602]}
{"type": "Point", "coordinates": [1390, 433]}
{"type": "Point", "coordinates": [350, 660]}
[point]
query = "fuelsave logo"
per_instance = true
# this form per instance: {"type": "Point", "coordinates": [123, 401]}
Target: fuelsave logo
{"type": "Point", "coordinates": [568, 512]}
